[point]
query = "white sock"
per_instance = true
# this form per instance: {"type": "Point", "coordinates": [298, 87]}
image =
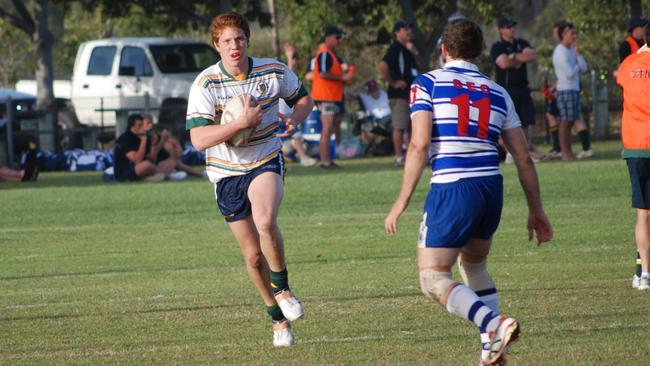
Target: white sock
{"type": "Point", "coordinates": [491, 301]}
{"type": "Point", "coordinates": [464, 302]}
{"type": "Point", "coordinates": [645, 274]}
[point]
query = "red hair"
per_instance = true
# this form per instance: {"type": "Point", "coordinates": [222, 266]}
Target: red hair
{"type": "Point", "coordinates": [231, 19]}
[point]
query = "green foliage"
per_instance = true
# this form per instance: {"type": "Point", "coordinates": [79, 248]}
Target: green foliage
{"type": "Point", "coordinates": [16, 56]}
{"type": "Point", "coordinates": [600, 32]}
{"type": "Point", "coordinates": [149, 274]}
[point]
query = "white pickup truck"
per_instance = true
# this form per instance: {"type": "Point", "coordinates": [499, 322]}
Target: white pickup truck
{"type": "Point", "coordinates": [126, 75]}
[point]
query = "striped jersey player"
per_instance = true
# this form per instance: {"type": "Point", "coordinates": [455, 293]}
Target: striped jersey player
{"type": "Point", "coordinates": [267, 81]}
{"type": "Point", "coordinates": [248, 179]}
{"type": "Point", "coordinates": [469, 112]}
{"type": "Point", "coordinates": [457, 117]}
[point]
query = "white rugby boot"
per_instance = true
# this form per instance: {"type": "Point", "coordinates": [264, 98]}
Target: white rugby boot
{"type": "Point", "coordinates": [282, 335]}
{"type": "Point", "coordinates": [644, 283]}
{"type": "Point", "coordinates": [291, 307]}
{"type": "Point", "coordinates": [635, 281]}
{"type": "Point", "coordinates": [494, 346]}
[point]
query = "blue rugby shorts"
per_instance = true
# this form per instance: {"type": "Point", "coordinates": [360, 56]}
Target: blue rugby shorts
{"type": "Point", "coordinates": [232, 192]}
{"type": "Point", "coordinates": [459, 211]}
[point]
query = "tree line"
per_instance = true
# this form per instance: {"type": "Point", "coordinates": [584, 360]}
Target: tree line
{"type": "Point", "coordinates": [41, 36]}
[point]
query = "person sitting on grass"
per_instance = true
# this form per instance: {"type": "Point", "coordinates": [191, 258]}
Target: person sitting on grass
{"type": "Point", "coordinates": [130, 159]}
{"type": "Point", "coordinates": [28, 174]}
{"type": "Point", "coordinates": [165, 150]}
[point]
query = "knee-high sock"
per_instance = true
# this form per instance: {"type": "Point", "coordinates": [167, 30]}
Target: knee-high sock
{"type": "Point", "coordinates": [464, 302]}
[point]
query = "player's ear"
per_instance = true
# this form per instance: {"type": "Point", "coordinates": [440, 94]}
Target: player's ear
{"type": "Point", "coordinates": [444, 51]}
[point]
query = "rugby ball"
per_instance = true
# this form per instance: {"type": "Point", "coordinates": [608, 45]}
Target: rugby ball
{"type": "Point", "coordinates": [234, 109]}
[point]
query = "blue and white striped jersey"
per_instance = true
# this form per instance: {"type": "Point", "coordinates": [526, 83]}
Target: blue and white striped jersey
{"type": "Point", "coordinates": [469, 111]}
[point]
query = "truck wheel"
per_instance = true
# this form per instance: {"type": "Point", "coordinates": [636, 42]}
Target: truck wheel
{"type": "Point", "coordinates": [172, 117]}
{"type": "Point", "coordinates": [70, 136]}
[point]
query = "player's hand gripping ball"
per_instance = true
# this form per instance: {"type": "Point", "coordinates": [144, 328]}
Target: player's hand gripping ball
{"type": "Point", "coordinates": [234, 109]}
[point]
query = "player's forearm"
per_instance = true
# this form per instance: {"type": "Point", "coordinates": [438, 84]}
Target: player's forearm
{"type": "Point", "coordinates": [530, 185]}
{"type": "Point", "coordinates": [301, 109]}
{"type": "Point", "coordinates": [204, 137]}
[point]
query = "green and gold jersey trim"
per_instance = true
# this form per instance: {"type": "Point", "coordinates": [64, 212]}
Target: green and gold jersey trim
{"type": "Point", "coordinates": [226, 167]}
{"type": "Point", "coordinates": [197, 120]}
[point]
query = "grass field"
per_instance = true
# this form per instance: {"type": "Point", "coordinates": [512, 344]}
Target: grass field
{"type": "Point", "coordinates": [94, 273]}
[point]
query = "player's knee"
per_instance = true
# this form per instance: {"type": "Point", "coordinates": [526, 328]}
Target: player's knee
{"type": "Point", "coordinates": [435, 285]}
{"type": "Point", "coordinates": [265, 225]}
{"type": "Point", "coordinates": [475, 275]}
{"type": "Point", "coordinates": [254, 259]}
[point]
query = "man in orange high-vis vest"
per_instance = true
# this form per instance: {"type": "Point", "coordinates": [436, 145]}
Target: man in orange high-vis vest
{"type": "Point", "coordinates": [329, 75]}
{"type": "Point", "coordinates": [634, 77]}
{"type": "Point", "coordinates": [634, 40]}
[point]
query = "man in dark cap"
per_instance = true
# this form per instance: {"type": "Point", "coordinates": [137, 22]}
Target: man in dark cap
{"type": "Point", "coordinates": [634, 39]}
{"type": "Point", "coordinates": [329, 75]}
{"type": "Point", "coordinates": [400, 65]}
{"type": "Point", "coordinates": [510, 56]}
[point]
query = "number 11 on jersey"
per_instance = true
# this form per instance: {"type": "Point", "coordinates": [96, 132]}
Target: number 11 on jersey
{"type": "Point", "coordinates": [462, 102]}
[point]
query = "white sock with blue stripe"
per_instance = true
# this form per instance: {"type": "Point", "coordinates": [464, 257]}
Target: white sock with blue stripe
{"type": "Point", "coordinates": [490, 298]}
{"type": "Point", "coordinates": [464, 302]}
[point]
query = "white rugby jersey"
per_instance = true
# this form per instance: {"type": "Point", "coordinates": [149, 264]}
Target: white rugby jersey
{"type": "Point", "coordinates": [267, 81]}
{"type": "Point", "coordinates": [469, 111]}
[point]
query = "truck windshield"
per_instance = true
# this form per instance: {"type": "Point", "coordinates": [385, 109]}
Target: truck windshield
{"type": "Point", "coordinates": [180, 58]}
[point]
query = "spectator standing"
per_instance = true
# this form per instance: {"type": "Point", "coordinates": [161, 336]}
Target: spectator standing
{"type": "Point", "coordinates": [634, 40]}
{"type": "Point", "coordinates": [568, 63]}
{"type": "Point", "coordinates": [400, 65]}
{"type": "Point", "coordinates": [552, 111]}
{"type": "Point", "coordinates": [130, 154]}
{"type": "Point", "coordinates": [329, 77]}
{"type": "Point", "coordinates": [634, 77]}
{"type": "Point", "coordinates": [510, 56]}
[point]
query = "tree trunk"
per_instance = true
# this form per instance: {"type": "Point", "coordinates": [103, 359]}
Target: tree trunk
{"type": "Point", "coordinates": [44, 75]}
{"type": "Point", "coordinates": [636, 10]}
{"type": "Point", "coordinates": [275, 37]}
{"type": "Point", "coordinates": [426, 43]}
